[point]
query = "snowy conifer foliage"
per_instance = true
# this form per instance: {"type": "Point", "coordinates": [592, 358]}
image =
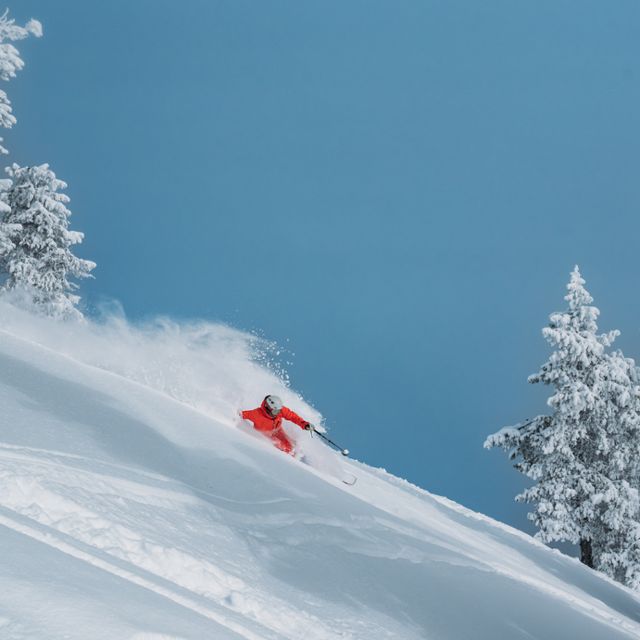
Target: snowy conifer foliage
{"type": "Point", "coordinates": [584, 457]}
{"type": "Point", "coordinates": [35, 241]}
{"type": "Point", "coordinates": [11, 62]}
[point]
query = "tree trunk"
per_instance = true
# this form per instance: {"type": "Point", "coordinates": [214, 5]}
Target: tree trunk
{"type": "Point", "coordinates": [586, 553]}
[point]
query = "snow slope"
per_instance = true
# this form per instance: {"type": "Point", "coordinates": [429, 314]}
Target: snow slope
{"type": "Point", "coordinates": [129, 514]}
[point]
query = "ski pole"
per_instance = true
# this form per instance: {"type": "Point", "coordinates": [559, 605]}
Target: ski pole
{"type": "Point", "coordinates": [344, 452]}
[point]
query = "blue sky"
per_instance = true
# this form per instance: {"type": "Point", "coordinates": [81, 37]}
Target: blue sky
{"type": "Point", "coordinates": [395, 191]}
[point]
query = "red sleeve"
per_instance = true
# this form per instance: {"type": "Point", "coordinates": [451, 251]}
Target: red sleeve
{"type": "Point", "coordinates": [291, 416]}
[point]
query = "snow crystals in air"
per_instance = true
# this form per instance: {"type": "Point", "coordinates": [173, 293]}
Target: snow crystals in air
{"type": "Point", "coordinates": [133, 507]}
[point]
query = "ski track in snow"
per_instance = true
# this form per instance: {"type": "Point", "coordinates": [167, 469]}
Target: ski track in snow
{"type": "Point", "coordinates": [30, 479]}
{"type": "Point", "coordinates": [127, 482]}
{"type": "Point", "coordinates": [71, 550]}
{"type": "Point", "coordinates": [40, 490]}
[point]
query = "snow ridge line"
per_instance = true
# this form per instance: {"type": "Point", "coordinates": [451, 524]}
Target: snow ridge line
{"type": "Point", "coordinates": [46, 537]}
{"type": "Point", "coordinates": [109, 373]}
{"type": "Point", "coordinates": [476, 544]}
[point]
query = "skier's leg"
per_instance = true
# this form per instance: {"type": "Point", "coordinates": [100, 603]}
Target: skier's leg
{"type": "Point", "coordinates": [281, 441]}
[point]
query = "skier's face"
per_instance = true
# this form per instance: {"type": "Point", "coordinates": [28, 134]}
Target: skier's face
{"type": "Point", "coordinates": [273, 405]}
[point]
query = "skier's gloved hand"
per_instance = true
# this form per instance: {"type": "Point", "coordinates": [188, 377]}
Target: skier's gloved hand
{"type": "Point", "coordinates": [310, 428]}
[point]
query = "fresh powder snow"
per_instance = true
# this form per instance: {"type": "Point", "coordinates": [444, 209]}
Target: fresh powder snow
{"type": "Point", "coordinates": [135, 507]}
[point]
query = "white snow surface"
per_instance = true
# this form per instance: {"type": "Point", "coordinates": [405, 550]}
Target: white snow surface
{"type": "Point", "coordinates": [132, 507]}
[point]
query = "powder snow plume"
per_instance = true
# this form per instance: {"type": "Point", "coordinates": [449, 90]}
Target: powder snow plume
{"type": "Point", "coordinates": [211, 367]}
{"type": "Point", "coordinates": [128, 515]}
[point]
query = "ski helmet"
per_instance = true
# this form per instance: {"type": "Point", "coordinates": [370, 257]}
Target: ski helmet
{"type": "Point", "coordinates": [273, 405]}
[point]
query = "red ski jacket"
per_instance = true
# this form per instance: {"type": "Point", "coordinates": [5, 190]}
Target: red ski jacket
{"type": "Point", "coordinates": [264, 421]}
{"type": "Point", "coordinates": [272, 427]}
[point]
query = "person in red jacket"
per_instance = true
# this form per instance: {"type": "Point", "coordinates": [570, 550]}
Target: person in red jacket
{"type": "Point", "coordinates": [267, 419]}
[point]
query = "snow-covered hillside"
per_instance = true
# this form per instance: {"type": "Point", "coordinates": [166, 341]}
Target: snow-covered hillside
{"type": "Point", "coordinates": [132, 507]}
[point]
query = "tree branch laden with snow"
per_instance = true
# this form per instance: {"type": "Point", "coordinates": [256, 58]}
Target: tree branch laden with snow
{"type": "Point", "coordinates": [35, 241]}
{"type": "Point", "coordinates": [584, 457]}
{"type": "Point", "coordinates": [11, 62]}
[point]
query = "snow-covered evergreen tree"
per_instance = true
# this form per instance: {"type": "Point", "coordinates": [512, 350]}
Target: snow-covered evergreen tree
{"type": "Point", "coordinates": [584, 457]}
{"type": "Point", "coordinates": [35, 241]}
{"type": "Point", "coordinates": [11, 62]}
{"type": "Point", "coordinates": [614, 509]}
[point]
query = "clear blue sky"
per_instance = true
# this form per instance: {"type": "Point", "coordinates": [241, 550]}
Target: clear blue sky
{"type": "Point", "coordinates": [399, 189]}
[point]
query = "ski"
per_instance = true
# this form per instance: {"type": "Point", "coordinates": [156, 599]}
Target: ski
{"type": "Point", "coordinates": [350, 480]}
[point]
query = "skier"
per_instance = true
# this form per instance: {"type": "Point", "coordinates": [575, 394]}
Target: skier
{"type": "Point", "coordinates": [267, 419]}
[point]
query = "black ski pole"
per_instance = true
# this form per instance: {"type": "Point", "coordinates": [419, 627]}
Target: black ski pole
{"type": "Point", "coordinates": [344, 452]}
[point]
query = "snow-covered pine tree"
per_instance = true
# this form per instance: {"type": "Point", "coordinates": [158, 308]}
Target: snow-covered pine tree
{"type": "Point", "coordinates": [613, 513]}
{"type": "Point", "coordinates": [11, 62]}
{"type": "Point", "coordinates": [583, 458]}
{"type": "Point", "coordinates": [35, 241]}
